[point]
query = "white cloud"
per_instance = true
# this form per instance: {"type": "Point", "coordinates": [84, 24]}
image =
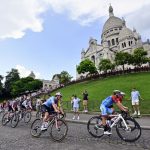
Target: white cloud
{"type": "Point", "coordinates": [16, 16]}
{"type": "Point", "coordinates": [87, 11]}
{"type": "Point", "coordinates": [24, 72]}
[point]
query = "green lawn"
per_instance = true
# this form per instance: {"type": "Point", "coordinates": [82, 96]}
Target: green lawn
{"type": "Point", "coordinates": [99, 89]}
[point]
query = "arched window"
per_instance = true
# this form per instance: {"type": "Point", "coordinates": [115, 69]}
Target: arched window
{"type": "Point", "coordinates": [122, 45]}
{"type": "Point", "coordinates": [109, 43]}
{"type": "Point", "coordinates": [129, 43]}
{"type": "Point", "coordinates": [117, 40]}
{"type": "Point", "coordinates": [113, 42]}
{"type": "Point", "coordinates": [93, 59]}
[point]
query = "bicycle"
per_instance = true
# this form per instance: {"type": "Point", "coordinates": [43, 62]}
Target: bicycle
{"type": "Point", "coordinates": [13, 117]}
{"type": "Point", "coordinates": [127, 127]}
{"type": "Point", "coordinates": [57, 127]}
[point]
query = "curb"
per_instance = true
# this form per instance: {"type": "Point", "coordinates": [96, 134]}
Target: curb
{"type": "Point", "coordinates": [85, 123]}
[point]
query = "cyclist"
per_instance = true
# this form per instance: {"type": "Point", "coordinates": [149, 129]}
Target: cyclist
{"type": "Point", "coordinates": [106, 107]}
{"type": "Point", "coordinates": [49, 107]}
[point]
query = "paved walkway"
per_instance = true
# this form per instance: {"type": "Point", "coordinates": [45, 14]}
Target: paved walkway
{"type": "Point", "coordinates": [143, 121]}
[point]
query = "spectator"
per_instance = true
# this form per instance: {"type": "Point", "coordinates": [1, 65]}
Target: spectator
{"type": "Point", "coordinates": [85, 101]}
{"type": "Point", "coordinates": [76, 107]}
{"type": "Point", "coordinates": [135, 96]}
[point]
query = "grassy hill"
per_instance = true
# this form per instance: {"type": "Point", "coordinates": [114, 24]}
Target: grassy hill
{"type": "Point", "coordinates": [99, 89]}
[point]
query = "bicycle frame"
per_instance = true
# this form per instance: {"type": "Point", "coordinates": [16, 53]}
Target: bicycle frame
{"type": "Point", "coordinates": [54, 118]}
{"type": "Point", "coordinates": [119, 117]}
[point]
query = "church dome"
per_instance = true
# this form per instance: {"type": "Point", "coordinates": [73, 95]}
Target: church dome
{"type": "Point", "coordinates": [112, 22]}
{"type": "Point", "coordinates": [125, 33]}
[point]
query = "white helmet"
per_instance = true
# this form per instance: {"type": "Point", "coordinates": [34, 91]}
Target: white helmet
{"type": "Point", "coordinates": [116, 91]}
{"type": "Point", "coordinates": [58, 94]}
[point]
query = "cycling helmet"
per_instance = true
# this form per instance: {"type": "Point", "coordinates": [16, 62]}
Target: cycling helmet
{"type": "Point", "coordinates": [58, 94]}
{"type": "Point", "coordinates": [116, 92]}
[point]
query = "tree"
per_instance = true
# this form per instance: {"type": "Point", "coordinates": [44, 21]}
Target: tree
{"type": "Point", "coordinates": [86, 66]}
{"type": "Point", "coordinates": [123, 58]}
{"type": "Point", "coordinates": [139, 57]}
{"type": "Point", "coordinates": [25, 84]}
{"type": "Point", "coordinates": [65, 77]}
{"type": "Point", "coordinates": [105, 65]}
{"type": "Point", "coordinates": [1, 86]}
{"type": "Point", "coordinates": [11, 77]}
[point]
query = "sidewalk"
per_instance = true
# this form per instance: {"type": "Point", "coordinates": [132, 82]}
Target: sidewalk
{"type": "Point", "coordinates": [143, 121]}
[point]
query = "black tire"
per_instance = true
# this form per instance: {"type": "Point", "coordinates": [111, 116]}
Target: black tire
{"type": "Point", "coordinates": [92, 129]}
{"type": "Point", "coordinates": [4, 119]}
{"type": "Point", "coordinates": [58, 134]}
{"type": "Point", "coordinates": [36, 128]}
{"type": "Point", "coordinates": [14, 120]}
{"type": "Point", "coordinates": [130, 135]}
{"type": "Point", "coordinates": [27, 117]}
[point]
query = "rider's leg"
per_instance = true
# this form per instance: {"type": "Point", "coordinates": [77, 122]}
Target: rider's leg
{"type": "Point", "coordinates": [44, 124]}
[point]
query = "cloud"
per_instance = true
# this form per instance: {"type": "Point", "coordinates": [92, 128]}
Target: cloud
{"type": "Point", "coordinates": [87, 11]}
{"type": "Point", "coordinates": [24, 72]}
{"type": "Point", "coordinates": [17, 16]}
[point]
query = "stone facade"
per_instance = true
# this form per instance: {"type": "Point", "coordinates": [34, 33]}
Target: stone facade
{"type": "Point", "coordinates": [50, 85]}
{"type": "Point", "coordinates": [116, 37]}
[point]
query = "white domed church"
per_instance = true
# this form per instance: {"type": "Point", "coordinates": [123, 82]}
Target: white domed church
{"type": "Point", "coordinates": [116, 37]}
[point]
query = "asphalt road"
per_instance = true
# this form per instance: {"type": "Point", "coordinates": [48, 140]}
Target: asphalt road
{"type": "Point", "coordinates": [78, 138]}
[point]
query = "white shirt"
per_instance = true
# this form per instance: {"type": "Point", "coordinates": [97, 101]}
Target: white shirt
{"type": "Point", "coordinates": [76, 102]}
{"type": "Point", "coordinates": [135, 95]}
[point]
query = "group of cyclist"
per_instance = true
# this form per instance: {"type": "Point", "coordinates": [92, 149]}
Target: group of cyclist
{"type": "Point", "coordinates": [53, 104]}
{"type": "Point", "coordinates": [18, 104]}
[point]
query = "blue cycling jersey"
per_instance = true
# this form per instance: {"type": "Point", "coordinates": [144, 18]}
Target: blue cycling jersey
{"type": "Point", "coordinates": [108, 101]}
{"type": "Point", "coordinates": [50, 101]}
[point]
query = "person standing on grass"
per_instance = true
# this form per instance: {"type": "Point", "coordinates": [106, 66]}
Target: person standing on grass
{"type": "Point", "coordinates": [85, 101]}
{"type": "Point", "coordinates": [76, 101]}
{"type": "Point", "coordinates": [135, 97]}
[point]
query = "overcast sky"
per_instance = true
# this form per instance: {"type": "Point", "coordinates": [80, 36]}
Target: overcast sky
{"type": "Point", "coordinates": [47, 36]}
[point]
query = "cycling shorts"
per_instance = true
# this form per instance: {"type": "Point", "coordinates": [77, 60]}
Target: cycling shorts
{"type": "Point", "coordinates": [44, 109]}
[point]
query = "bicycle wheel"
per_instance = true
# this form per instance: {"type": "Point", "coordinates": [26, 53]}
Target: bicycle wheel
{"type": "Point", "coordinates": [5, 119]}
{"type": "Point", "coordinates": [14, 120]}
{"type": "Point", "coordinates": [92, 127]}
{"type": "Point", "coordinates": [27, 117]}
{"type": "Point", "coordinates": [131, 134]}
{"type": "Point", "coordinates": [58, 130]}
{"type": "Point", "coordinates": [36, 128]}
